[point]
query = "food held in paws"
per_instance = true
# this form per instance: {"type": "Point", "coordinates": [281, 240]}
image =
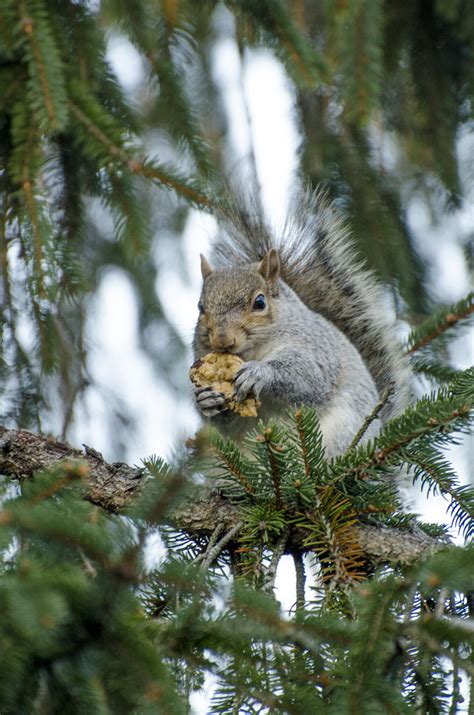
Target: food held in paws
{"type": "Point", "coordinates": [218, 370]}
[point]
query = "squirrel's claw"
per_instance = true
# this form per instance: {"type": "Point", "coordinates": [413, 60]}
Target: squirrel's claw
{"type": "Point", "coordinates": [210, 402]}
{"type": "Point", "coordinates": [251, 378]}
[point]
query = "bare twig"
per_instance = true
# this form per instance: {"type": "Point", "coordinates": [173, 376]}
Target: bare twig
{"type": "Point", "coordinates": [278, 551]}
{"type": "Point", "coordinates": [300, 580]}
{"type": "Point", "coordinates": [439, 609]}
{"type": "Point", "coordinates": [90, 568]}
{"type": "Point", "coordinates": [214, 552]}
{"type": "Point", "coordinates": [210, 545]}
{"type": "Point", "coordinates": [373, 416]}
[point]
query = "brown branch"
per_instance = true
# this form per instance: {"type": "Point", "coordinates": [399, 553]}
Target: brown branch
{"type": "Point", "coordinates": [450, 320]}
{"type": "Point", "coordinates": [300, 574]}
{"type": "Point", "coordinates": [304, 449]}
{"type": "Point", "coordinates": [114, 486]}
{"type": "Point", "coordinates": [111, 486]}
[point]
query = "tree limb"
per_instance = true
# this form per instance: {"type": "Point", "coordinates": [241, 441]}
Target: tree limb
{"type": "Point", "coordinates": [113, 486]}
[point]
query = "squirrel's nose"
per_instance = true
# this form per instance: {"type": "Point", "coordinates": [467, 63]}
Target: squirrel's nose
{"type": "Point", "coordinates": [222, 342]}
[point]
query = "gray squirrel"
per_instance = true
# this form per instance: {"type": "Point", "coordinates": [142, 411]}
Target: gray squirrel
{"type": "Point", "coordinates": [308, 319]}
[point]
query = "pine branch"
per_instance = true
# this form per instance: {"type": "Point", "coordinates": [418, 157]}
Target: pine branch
{"type": "Point", "coordinates": [437, 324]}
{"type": "Point", "coordinates": [438, 475]}
{"type": "Point", "coordinates": [309, 441]}
{"type": "Point", "coordinates": [434, 646]}
{"type": "Point", "coordinates": [364, 658]}
{"type": "Point", "coordinates": [46, 87]}
{"type": "Point", "coordinates": [115, 486]}
{"type": "Point", "coordinates": [386, 544]}
{"type": "Point", "coordinates": [433, 369]}
{"type": "Point", "coordinates": [229, 456]}
{"type": "Point", "coordinates": [145, 169]}
{"type": "Point", "coordinates": [331, 535]}
{"type": "Point", "coordinates": [110, 485]}
{"type": "Point", "coordinates": [185, 123]}
{"type": "Point", "coordinates": [274, 17]}
{"type": "Point", "coordinates": [449, 410]}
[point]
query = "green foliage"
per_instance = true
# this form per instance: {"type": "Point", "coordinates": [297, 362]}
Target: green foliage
{"type": "Point", "coordinates": [396, 99]}
{"type": "Point", "coordinates": [88, 626]}
{"type": "Point", "coordinates": [436, 325]}
{"type": "Point", "coordinates": [79, 596]}
{"type": "Point", "coordinates": [77, 601]}
{"type": "Point", "coordinates": [270, 21]}
{"type": "Point", "coordinates": [71, 619]}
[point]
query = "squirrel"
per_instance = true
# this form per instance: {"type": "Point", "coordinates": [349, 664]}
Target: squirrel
{"type": "Point", "coordinates": [307, 317]}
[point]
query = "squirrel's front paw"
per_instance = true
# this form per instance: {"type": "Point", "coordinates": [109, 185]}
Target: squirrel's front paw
{"type": "Point", "coordinates": [210, 402]}
{"type": "Point", "coordinates": [252, 377]}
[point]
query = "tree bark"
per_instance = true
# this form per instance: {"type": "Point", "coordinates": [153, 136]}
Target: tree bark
{"type": "Point", "coordinates": [113, 487]}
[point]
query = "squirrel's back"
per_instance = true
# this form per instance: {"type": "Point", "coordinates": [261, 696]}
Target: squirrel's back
{"type": "Point", "coordinates": [319, 262]}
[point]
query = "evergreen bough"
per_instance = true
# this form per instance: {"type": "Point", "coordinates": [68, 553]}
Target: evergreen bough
{"type": "Point", "coordinates": [88, 626]}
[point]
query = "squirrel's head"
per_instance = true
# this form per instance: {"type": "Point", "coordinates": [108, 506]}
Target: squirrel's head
{"type": "Point", "coordinates": [237, 304]}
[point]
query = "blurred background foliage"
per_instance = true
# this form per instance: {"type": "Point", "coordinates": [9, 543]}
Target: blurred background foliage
{"type": "Point", "coordinates": [93, 177]}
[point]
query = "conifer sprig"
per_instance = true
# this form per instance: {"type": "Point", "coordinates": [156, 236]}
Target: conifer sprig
{"type": "Point", "coordinates": [311, 662]}
{"type": "Point", "coordinates": [437, 324]}
{"type": "Point", "coordinates": [438, 477]}
{"type": "Point", "coordinates": [47, 92]}
{"type": "Point", "coordinates": [433, 368]}
{"type": "Point", "coordinates": [330, 535]}
{"type": "Point", "coordinates": [434, 417]}
{"type": "Point", "coordinates": [309, 443]}
{"type": "Point", "coordinates": [232, 462]}
{"type": "Point", "coordinates": [149, 170]}
{"type": "Point", "coordinates": [273, 18]}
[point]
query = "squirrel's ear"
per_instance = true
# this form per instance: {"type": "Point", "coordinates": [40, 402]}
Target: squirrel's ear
{"type": "Point", "coordinates": [206, 269]}
{"type": "Point", "coordinates": [269, 267]}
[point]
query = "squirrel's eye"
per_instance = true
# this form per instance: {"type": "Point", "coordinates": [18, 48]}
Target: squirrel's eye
{"type": "Point", "coordinates": [260, 303]}
{"type": "Point", "coordinates": [201, 307]}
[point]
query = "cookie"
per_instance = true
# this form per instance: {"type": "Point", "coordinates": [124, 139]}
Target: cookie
{"type": "Point", "coordinates": [217, 370]}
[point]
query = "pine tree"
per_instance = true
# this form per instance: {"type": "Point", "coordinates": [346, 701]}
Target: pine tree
{"type": "Point", "coordinates": [383, 603]}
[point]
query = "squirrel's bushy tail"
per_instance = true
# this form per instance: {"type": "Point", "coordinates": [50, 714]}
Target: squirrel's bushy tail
{"type": "Point", "coordinates": [320, 263]}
